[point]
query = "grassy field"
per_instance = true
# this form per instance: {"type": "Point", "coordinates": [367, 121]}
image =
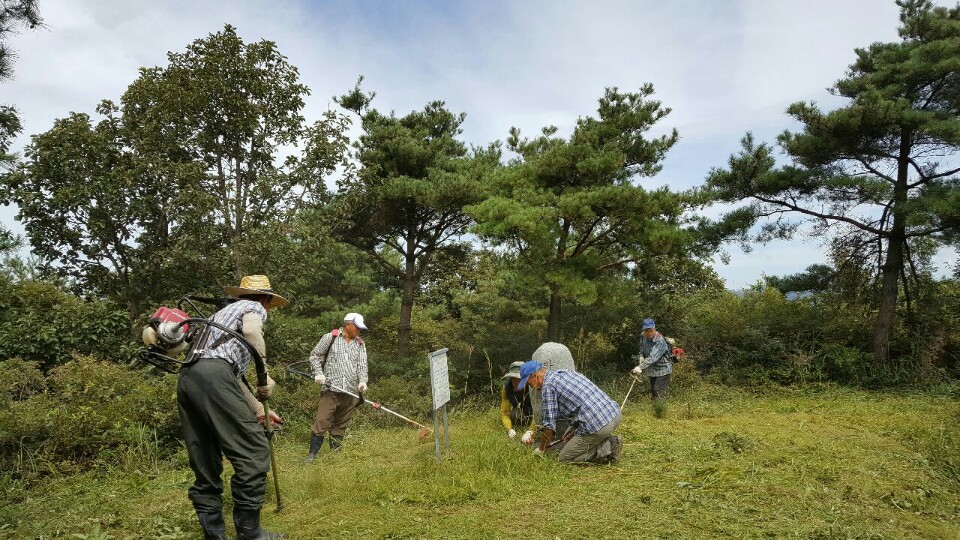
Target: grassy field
{"type": "Point", "coordinates": [722, 463]}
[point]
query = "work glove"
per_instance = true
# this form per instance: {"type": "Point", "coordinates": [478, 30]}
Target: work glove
{"type": "Point", "coordinates": [319, 379]}
{"type": "Point", "coordinates": [512, 433]}
{"type": "Point", "coordinates": [263, 392]}
{"type": "Point", "coordinates": [275, 419]}
{"type": "Point", "coordinates": [538, 452]}
{"type": "Point", "coordinates": [361, 388]}
{"type": "Point", "coordinates": [527, 438]}
{"type": "Point", "coordinates": [637, 371]}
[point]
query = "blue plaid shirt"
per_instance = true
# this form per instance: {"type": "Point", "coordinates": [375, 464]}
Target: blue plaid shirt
{"type": "Point", "coordinates": [656, 356]}
{"type": "Point", "coordinates": [568, 394]}
{"type": "Point", "coordinates": [233, 351]}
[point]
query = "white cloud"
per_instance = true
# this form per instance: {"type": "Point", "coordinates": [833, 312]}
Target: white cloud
{"type": "Point", "coordinates": [723, 67]}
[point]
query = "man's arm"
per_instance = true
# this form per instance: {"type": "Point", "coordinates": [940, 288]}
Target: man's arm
{"type": "Point", "coordinates": [252, 326]}
{"type": "Point", "coordinates": [505, 409]}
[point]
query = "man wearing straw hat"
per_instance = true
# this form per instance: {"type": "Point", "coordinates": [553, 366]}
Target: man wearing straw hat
{"type": "Point", "coordinates": [218, 419]}
{"type": "Point", "coordinates": [515, 407]}
{"type": "Point", "coordinates": [339, 363]}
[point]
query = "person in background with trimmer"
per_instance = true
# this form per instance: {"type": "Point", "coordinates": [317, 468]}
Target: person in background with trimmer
{"type": "Point", "coordinates": [568, 394]}
{"type": "Point", "coordinates": [654, 359]}
{"type": "Point", "coordinates": [339, 361]}
{"type": "Point", "coordinates": [218, 419]}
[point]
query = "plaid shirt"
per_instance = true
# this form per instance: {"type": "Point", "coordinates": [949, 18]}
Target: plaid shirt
{"type": "Point", "coordinates": [656, 356]}
{"type": "Point", "coordinates": [346, 364]}
{"type": "Point", "coordinates": [568, 394]}
{"type": "Point", "coordinates": [233, 350]}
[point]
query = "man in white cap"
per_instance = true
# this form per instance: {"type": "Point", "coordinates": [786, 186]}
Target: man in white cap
{"type": "Point", "coordinates": [219, 419]}
{"type": "Point", "coordinates": [339, 363]}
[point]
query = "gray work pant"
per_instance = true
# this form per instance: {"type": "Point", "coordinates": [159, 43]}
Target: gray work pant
{"type": "Point", "coordinates": [660, 386]}
{"type": "Point", "coordinates": [593, 447]}
{"type": "Point", "coordinates": [218, 422]}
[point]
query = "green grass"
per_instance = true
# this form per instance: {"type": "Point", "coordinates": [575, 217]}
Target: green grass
{"type": "Point", "coordinates": [811, 463]}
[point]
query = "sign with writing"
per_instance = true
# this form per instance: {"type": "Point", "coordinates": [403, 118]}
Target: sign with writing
{"type": "Point", "coordinates": [439, 378]}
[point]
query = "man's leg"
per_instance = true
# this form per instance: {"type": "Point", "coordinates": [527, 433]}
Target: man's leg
{"type": "Point", "coordinates": [243, 442]}
{"type": "Point", "coordinates": [595, 447]}
{"type": "Point", "coordinates": [326, 407]}
{"type": "Point", "coordinates": [346, 406]}
{"type": "Point", "coordinates": [660, 386]}
{"type": "Point", "coordinates": [203, 449]}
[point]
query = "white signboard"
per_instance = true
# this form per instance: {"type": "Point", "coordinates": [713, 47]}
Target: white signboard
{"type": "Point", "coordinates": [439, 378]}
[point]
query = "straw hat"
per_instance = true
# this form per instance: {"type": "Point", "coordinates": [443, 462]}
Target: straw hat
{"type": "Point", "coordinates": [257, 284]}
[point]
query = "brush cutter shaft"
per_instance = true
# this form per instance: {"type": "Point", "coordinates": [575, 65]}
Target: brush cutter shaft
{"type": "Point", "coordinates": [377, 406]}
{"type": "Point", "coordinates": [622, 405]}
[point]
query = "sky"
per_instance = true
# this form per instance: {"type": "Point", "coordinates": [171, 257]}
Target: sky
{"type": "Point", "coordinates": [724, 67]}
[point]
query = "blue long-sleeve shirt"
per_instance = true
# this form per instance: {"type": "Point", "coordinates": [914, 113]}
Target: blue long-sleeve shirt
{"type": "Point", "coordinates": [568, 394]}
{"type": "Point", "coordinates": [656, 356]}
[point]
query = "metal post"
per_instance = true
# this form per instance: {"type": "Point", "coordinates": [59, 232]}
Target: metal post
{"type": "Point", "coordinates": [436, 433]}
{"type": "Point", "coordinates": [446, 428]}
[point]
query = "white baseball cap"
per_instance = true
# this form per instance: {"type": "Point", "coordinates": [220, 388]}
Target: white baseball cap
{"type": "Point", "coordinates": [356, 319]}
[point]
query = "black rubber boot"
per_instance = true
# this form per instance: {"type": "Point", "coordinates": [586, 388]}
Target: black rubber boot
{"type": "Point", "coordinates": [315, 443]}
{"type": "Point", "coordinates": [213, 526]}
{"type": "Point", "coordinates": [336, 442]}
{"type": "Point", "coordinates": [247, 523]}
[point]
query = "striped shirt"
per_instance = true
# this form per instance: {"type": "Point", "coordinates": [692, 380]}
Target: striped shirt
{"type": "Point", "coordinates": [233, 350]}
{"type": "Point", "coordinates": [568, 394]}
{"type": "Point", "coordinates": [656, 356]}
{"type": "Point", "coordinates": [346, 364]}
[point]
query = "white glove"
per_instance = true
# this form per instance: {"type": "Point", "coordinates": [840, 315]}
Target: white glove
{"type": "Point", "coordinates": [527, 438]}
{"type": "Point", "coordinates": [319, 378]}
{"type": "Point", "coordinates": [512, 433]}
{"type": "Point", "coordinates": [537, 451]}
{"type": "Point", "coordinates": [637, 371]}
{"type": "Point", "coordinates": [362, 387]}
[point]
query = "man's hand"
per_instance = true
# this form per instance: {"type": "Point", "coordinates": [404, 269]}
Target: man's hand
{"type": "Point", "coordinates": [637, 371]}
{"type": "Point", "coordinates": [568, 435]}
{"type": "Point", "coordinates": [362, 388]}
{"type": "Point", "coordinates": [527, 438]}
{"type": "Point", "coordinates": [275, 419]}
{"type": "Point", "coordinates": [319, 379]}
{"type": "Point", "coordinates": [512, 433]}
{"type": "Point", "coordinates": [263, 392]}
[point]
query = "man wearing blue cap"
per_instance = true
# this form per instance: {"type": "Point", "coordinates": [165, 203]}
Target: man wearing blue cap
{"type": "Point", "coordinates": [654, 360]}
{"type": "Point", "coordinates": [568, 394]}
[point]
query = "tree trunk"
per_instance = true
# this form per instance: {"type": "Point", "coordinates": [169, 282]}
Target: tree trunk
{"type": "Point", "coordinates": [553, 321]}
{"type": "Point", "coordinates": [893, 264]}
{"type": "Point", "coordinates": [406, 308]}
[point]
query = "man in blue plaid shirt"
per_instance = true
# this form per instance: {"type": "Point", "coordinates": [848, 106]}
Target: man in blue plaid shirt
{"type": "Point", "coordinates": [568, 394]}
{"type": "Point", "coordinates": [654, 360]}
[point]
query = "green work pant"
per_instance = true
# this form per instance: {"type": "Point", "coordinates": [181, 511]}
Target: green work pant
{"type": "Point", "coordinates": [218, 422]}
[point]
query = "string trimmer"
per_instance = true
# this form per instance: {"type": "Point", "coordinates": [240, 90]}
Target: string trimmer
{"type": "Point", "coordinates": [298, 368]}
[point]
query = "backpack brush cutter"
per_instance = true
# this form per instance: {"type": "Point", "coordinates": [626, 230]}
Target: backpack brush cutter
{"type": "Point", "coordinates": [303, 369]}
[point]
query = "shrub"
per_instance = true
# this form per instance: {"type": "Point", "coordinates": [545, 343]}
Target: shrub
{"type": "Point", "coordinates": [90, 409]}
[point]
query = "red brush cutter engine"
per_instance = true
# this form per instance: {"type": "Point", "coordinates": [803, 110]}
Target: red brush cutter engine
{"type": "Point", "coordinates": [163, 330]}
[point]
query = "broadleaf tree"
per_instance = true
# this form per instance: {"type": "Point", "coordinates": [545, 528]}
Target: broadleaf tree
{"type": "Point", "coordinates": [881, 171]}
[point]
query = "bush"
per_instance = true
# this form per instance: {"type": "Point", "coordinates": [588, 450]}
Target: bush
{"type": "Point", "coordinates": [91, 409]}
{"type": "Point", "coordinates": [41, 323]}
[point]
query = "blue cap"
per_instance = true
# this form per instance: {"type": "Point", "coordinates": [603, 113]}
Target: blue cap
{"type": "Point", "coordinates": [648, 324]}
{"type": "Point", "coordinates": [526, 370]}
